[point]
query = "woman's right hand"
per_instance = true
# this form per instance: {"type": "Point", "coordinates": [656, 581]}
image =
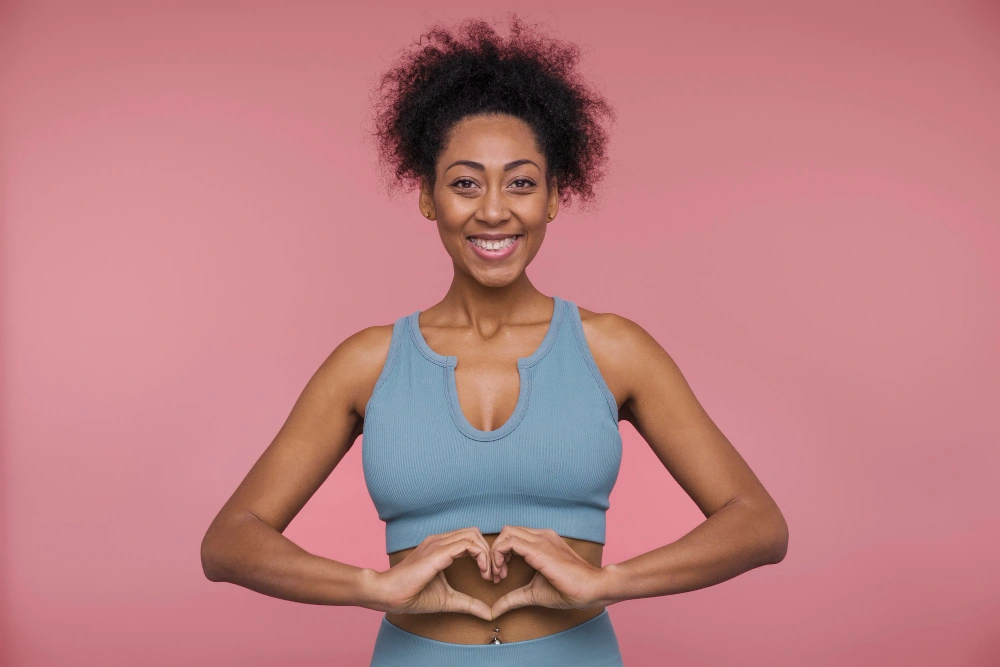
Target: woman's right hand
{"type": "Point", "coordinates": [417, 585]}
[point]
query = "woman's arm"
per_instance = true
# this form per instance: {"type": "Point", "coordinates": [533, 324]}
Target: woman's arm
{"type": "Point", "coordinates": [244, 544]}
{"type": "Point", "coordinates": [743, 528]}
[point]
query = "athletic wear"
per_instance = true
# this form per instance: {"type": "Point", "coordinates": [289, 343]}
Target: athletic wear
{"type": "Point", "coordinates": [592, 643]}
{"type": "Point", "coordinates": [552, 464]}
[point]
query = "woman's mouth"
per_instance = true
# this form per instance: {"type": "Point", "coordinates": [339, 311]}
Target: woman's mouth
{"type": "Point", "coordinates": [495, 249]}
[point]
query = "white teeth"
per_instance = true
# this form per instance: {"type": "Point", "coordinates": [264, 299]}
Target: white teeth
{"type": "Point", "coordinates": [493, 245]}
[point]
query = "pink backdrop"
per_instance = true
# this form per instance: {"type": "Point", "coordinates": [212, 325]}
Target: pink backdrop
{"type": "Point", "coordinates": [802, 208]}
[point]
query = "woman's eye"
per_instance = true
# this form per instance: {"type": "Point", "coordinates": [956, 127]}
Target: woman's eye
{"type": "Point", "coordinates": [467, 183]}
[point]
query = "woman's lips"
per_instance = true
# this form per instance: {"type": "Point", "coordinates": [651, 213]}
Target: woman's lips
{"type": "Point", "coordinates": [494, 255]}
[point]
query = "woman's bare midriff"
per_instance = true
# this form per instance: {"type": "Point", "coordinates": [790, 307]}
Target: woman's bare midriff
{"type": "Point", "coordinates": [516, 625]}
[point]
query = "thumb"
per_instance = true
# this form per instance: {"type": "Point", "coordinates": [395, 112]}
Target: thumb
{"type": "Point", "coordinates": [519, 597]}
{"type": "Point", "coordinates": [466, 604]}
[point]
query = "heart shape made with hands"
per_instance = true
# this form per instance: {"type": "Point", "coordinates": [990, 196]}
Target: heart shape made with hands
{"type": "Point", "coordinates": [563, 578]}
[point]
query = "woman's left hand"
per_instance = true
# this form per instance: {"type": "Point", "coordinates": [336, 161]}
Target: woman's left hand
{"type": "Point", "coordinates": [563, 580]}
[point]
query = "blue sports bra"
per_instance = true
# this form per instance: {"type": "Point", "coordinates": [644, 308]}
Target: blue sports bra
{"type": "Point", "coordinates": [552, 464]}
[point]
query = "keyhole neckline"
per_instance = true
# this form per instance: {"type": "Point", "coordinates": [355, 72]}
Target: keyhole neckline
{"type": "Point", "coordinates": [524, 364]}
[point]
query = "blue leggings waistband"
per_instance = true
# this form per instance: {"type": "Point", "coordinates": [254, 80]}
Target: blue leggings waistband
{"type": "Point", "coordinates": [592, 643]}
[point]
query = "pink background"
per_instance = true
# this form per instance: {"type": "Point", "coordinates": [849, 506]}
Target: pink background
{"type": "Point", "coordinates": [803, 208]}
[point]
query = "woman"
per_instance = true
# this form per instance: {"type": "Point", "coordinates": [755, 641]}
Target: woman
{"type": "Point", "coordinates": [491, 418]}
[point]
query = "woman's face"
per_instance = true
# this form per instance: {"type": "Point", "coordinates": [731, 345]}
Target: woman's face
{"type": "Point", "coordinates": [491, 191]}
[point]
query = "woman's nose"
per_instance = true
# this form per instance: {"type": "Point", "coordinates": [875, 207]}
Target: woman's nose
{"type": "Point", "coordinates": [492, 209]}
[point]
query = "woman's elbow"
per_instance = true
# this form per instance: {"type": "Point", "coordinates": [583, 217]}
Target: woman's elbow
{"type": "Point", "coordinates": [777, 537]}
{"type": "Point", "coordinates": [208, 563]}
{"type": "Point", "coordinates": [212, 549]}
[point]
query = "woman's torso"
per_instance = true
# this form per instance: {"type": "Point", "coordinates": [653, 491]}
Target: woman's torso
{"type": "Point", "coordinates": [553, 438]}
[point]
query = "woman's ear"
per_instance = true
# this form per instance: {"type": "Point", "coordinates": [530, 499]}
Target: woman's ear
{"type": "Point", "coordinates": [553, 206]}
{"type": "Point", "coordinates": [426, 200]}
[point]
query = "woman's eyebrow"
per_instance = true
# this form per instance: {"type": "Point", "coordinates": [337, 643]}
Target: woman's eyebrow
{"type": "Point", "coordinates": [480, 167]}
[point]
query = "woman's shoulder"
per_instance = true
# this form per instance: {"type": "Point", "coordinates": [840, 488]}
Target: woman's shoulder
{"type": "Point", "coordinates": [613, 335]}
{"type": "Point", "coordinates": [622, 349]}
{"type": "Point", "coordinates": [356, 362]}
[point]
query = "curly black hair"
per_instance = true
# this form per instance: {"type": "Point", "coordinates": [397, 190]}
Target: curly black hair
{"type": "Point", "coordinates": [448, 74]}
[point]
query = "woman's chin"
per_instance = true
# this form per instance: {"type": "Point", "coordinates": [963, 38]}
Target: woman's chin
{"type": "Point", "coordinates": [495, 277]}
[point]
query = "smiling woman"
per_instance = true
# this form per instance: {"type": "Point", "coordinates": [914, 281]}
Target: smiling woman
{"type": "Point", "coordinates": [490, 419]}
{"type": "Point", "coordinates": [491, 217]}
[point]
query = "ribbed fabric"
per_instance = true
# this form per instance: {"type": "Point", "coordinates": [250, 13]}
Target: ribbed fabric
{"type": "Point", "coordinates": [592, 643]}
{"type": "Point", "coordinates": [552, 464]}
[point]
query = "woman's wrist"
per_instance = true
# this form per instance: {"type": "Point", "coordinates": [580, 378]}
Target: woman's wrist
{"type": "Point", "coordinates": [369, 590]}
{"type": "Point", "coordinates": [613, 580]}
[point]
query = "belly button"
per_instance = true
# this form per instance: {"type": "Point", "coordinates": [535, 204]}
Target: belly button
{"type": "Point", "coordinates": [495, 639]}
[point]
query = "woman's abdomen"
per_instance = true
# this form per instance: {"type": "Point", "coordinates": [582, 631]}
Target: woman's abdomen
{"type": "Point", "coordinates": [518, 624]}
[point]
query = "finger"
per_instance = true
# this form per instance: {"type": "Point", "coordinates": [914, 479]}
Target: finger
{"type": "Point", "coordinates": [499, 557]}
{"type": "Point", "coordinates": [531, 549]}
{"type": "Point", "coordinates": [485, 564]}
{"type": "Point", "coordinates": [495, 555]}
{"type": "Point", "coordinates": [454, 549]}
{"type": "Point", "coordinates": [519, 597]}
{"type": "Point", "coordinates": [506, 534]}
{"type": "Point", "coordinates": [496, 558]}
{"type": "Point", "coordinates": [442, 554]}
{"type": "Point", "coordinates": [468, 531]}
{"type": "Point", "coordinates": [512, 544]}
{"type": "Point", "coordinates": [466, 604]}
{"type": "Point", "coordinates": [487, 572]}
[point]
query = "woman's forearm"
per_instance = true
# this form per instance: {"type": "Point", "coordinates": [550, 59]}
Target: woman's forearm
{"type": "Point", "coordinates": [739, 537]}
{"type": "Point", "coordinates": [244, 550]}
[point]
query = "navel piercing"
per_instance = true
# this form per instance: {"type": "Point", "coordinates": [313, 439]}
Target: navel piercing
{"type": "Point", "coordinates": [495, 639]}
